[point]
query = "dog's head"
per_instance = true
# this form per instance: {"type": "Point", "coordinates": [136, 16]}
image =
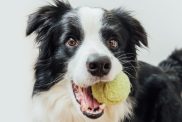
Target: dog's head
{"type": "Point", "coordinates": [84, 46]}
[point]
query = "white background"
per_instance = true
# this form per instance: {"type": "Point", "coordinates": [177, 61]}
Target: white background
{"type": "Point", "coordinates": [162, 20]}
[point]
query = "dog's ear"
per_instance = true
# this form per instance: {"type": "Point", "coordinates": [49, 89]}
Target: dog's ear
{"type": "Point", "coordinates": [136, 30]}
{"type": "Point", "coordinates": [45, 17]}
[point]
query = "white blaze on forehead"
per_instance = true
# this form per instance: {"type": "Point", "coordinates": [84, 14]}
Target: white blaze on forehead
{"type": "Point", "coordinates": [91, 24]}
{"type": "Point", "coordinates": [91, 20]}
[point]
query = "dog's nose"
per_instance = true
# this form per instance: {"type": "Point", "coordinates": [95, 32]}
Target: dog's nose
{"type": "Point", "coordinates": [98, 65]}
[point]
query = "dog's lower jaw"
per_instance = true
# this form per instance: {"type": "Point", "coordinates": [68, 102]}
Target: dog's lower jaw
{"type": "Point", "coordinates": [58, 105]}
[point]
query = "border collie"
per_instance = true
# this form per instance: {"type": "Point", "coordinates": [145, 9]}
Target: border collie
{"type": "Point", "coordinates": [79, 47]}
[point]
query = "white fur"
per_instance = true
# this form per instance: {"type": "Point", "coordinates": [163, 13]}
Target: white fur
{"type": "Point", "coordinates": [58, 103]}
{"type": "Point", "coordinates": [91, 22]}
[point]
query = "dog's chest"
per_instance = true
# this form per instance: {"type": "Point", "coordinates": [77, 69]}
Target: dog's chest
{"type": "Point", "coordinates": [63, 111]}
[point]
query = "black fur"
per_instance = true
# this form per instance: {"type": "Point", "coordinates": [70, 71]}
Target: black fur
{"type": "Point", "coordinates": [45, 23]}
{"type": "Point", "coordinates": [159, 97]}
{"type": "Point", "coordinates": [156, 89]}
{"type": "Point", "coordinates": [53, 24]}
{"type": "Point", "coordinates": [117, 23]}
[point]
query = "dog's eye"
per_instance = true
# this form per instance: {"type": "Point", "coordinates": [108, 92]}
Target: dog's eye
{"type": "Point", "coordinates": [72, 42]}
{"type": "Point", "coordinates": [112, 43]}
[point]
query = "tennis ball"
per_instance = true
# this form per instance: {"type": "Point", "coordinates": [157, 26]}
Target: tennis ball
{"type": "Point", "coordinates": [112, 92]}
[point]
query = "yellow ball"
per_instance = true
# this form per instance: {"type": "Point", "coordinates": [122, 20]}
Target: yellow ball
{"type": "Point", "coordinates": [112, 92]}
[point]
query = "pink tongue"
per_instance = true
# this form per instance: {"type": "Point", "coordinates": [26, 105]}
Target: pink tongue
{"type": "Point", "coordinates": [88, 101]}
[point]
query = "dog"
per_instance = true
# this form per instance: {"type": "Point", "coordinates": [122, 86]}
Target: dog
{"type": "Point", "coordinates": [79, 47]}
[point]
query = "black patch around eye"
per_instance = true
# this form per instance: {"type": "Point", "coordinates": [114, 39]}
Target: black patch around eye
{"type": "Point", "coordinates": [109, 34]}
{"type": "Point", "coordinates": [54, 55]}
{"type": "Point", "coordinates": [113, 29]}
{"type": "Point", "coordinates": [70, 28]}
{"type": "Point", "coordinates": [73, 32]}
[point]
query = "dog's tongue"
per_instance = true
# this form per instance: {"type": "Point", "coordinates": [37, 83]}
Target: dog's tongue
{"type": "Point", "coordinates": [87, 101]}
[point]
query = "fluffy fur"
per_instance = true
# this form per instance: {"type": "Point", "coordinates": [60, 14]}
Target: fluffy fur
{"type": "Point", "coordinates": [58, 64]}
{"type": "Point", "coordinates": [159, 98]}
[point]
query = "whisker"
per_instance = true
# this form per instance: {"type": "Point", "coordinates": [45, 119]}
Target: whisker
{"type": "Point", "coordinates": [129, 75]}
{"type": "Point", "coordinates": [124, 58]}
{"type": "Point", "coordinates": [131, 68]}
{"type": "Point", "coordinates": [56, 80]}
{"type": "Point", "coordinates": [126, 55]}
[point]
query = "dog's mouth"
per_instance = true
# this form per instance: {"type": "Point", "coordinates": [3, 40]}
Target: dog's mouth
{"type": "Point", "coordinates": [89, 106]}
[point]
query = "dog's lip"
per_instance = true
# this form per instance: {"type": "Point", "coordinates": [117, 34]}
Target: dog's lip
{"type": "Point", "coordinates": [89, 106]}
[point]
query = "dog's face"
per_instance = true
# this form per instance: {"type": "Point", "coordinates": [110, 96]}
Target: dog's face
{"type": "Point", "coordinates": [84, 46]}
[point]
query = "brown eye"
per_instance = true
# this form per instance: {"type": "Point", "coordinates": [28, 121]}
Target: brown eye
{"type": "Point", "coordinates": [112, 44]}
{"type": "Point", "coordinates": [71, 42]}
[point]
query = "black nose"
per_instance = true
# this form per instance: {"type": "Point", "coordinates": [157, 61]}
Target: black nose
{"type": "Point", "coordinates": [98, 65]}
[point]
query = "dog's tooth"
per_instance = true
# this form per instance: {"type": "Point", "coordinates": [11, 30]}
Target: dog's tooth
{"type": "Point", "coordinates": [102, 106]}
{"type": "Point", "coordinates": [96, 112]}
{"type": "Point", "coordinates": [89, 111]}
{"type": "Point", "coordinates": [83, 108]}
{"type": "Point", "coordinates": [84, 105]}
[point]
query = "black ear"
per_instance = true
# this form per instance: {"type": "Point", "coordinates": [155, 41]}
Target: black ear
{"type": "Point", "coordinates": [45, 17]}
{"type": "Point", "coordinates": [136, 30]}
